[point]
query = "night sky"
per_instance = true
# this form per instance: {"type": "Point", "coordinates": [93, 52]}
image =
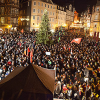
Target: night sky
{"type": "Point", "coordinates": [80, 5]}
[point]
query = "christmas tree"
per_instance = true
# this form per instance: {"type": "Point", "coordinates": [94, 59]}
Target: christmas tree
{"type": "Point", "coordinates": [44, 30]}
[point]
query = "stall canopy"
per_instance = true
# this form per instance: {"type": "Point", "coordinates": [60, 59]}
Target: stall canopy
{"type": "Point", "coordinates": [28, 83]}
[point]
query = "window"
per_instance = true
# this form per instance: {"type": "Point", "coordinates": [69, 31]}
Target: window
{"type": "Point", "coordinates": [34, 3]}
{"type": "Point", "coordinates": [51, 7]}
{"type": "Point", "coordinates": [42, 4]}
{"type": "Point", "coordinates": [53, 19]}
{"type": "Point", "coordinates": [97, 9]}
{"type": "Point", "coordinates": [28, 17]}
{"type": "Point", "coordinates": [42, 11]}
{"type": "Point", "coordinates": [96, 17]}
{"type": "Point", "coordinates": [24, 11]}
{"type": "Point", "coordinates": [28, 3]}
{"type": "Point", "coordinates": [95, 25]}
{"type": "Point", "coordinates": [48, 6]}
{"type": "Point", "coordinates": [33, 10]}
{"type": "Point", "coordinates": [38, 10]}
{"type": "Point", "coordinates": [50, 19]}
{"type": "Point", "coordinates": [33, 17]}
{"type": "Point", "coordinates": [2, 10]}
{"type": "Point", "coordinates": [45, 5]}
{"type": "Point", "coordinates": [50, 13]}
{"type": "Point", "coordinates": [53, 13]}
{"type": "Point", "coordinates": [37, 17]}
{"type": "Point", "coordinates": [33, 23]}
{"type": "Point", "coordinates": [2, 20]}
{"type": "Point", "coordinates": [2, 1]}
{"type": "Point", "coordinates": [27, 23]}
{"type": "Point", "coordinates": [39, 3]}
{"type": "Point", "coordinates": [23, 23]}
{"type": "Point", "coordinates": [14, 20]}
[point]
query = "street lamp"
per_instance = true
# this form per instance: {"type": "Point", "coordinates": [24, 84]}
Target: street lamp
{"type": "Point", "coordinates": [9, 26]}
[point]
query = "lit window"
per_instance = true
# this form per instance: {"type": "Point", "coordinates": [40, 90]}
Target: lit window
{"type": "Point", "coordinates": [33, 10]}
{"type": "Point", "coordinates": [2, 20]}
{"type": "Point", "coordinates": [33, 17]}
{"type": "Point", "coordinates": [28, 4]}
{"type": "Point", "coordinates": [39, 3]}
{"type": "Point", "coordinates": [34, 3]}
{"type": "Point", "coordinates": [27, 23]}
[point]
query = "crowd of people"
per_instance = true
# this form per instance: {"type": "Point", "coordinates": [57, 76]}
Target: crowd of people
{"type": "Point", "coordinates": [77, 65]}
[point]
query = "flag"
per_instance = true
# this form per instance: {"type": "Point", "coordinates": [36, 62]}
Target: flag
{"type": "Point", "coordinates": [77, 40]}
{"type": "Point", "coordinates": [22, 31]}
{"type": "Point", "coordinates": [59, 39]}
{"type": "Point", "coordinates": [59, 33]}
{"type": "Point", "coordinates": [25, 51]}
{"type": "Point", "coordinates": [28, 50]}
{"type": "Point", "coordinates": [31, 56]}
{"type": "Point", "coordinates": [71, 51]}
{"type": "Point", "coordinates": [97, 37]}
{"type": "Point", "coordinates": [94, 35]}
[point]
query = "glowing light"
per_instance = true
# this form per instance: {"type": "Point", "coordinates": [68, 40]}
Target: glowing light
{"type": "Point", "coordinates": [52, 30]}
{"type": "Point", "coordinates": [64, 25]}
{"type": "Point", "coordinates": [27, 19]}
{"type": "Point", "coordinates": [9, 26]}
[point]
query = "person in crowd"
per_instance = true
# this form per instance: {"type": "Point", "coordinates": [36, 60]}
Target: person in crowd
{"type": "Point", "coordinates": [70, 61]}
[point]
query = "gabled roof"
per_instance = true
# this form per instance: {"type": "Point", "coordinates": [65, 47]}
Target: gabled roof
{"type": "Point", "coordinates": [47, 1]}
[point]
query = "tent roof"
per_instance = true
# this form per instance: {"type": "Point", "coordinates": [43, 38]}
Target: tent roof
{"type": "Point", "coordinates": [30, 79]}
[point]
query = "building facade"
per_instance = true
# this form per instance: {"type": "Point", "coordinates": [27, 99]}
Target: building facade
{"type": "Point", "coordinates": [69, 15]}
{"type": "Point", "coordinates": [85, 19]}
{"type": "Point", "coordinates": [24, 15]}
{"type": "Point", "coordinates": [9, 11]}
{"type": "Point", "coordinates": [37, 9]}
{"type": "Point", "coordinates": [95, 19]}
{"type": "Point", "coordinates": [31, 15]}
